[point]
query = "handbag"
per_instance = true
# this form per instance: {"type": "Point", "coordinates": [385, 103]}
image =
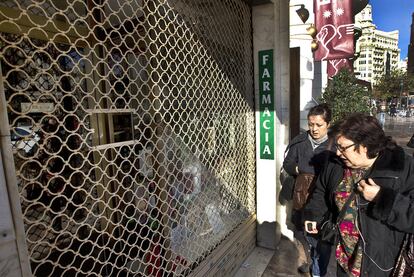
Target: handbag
{"type": "Point", "coordinates": [405, 262]}
{"type": "Point", "coordinates": [329, 229]}
{"type": "Point", "coordinates": [304, 185]}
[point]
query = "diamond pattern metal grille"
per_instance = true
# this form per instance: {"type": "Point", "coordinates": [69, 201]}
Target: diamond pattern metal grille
{"type": "Point", "coordinates": [132, 131]}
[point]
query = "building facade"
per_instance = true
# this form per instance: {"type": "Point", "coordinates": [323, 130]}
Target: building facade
{"type": "Point", "coordinates": [410, 54]}
{"type": "Point", "coordinates": [378, 50]}
{"type": "Point", "coordinates": [402, 65]}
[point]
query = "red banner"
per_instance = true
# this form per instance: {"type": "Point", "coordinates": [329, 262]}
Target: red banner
{"type": "Point", "coordinates": [335, 65]}
{"type": "Point", "coordinates": [334, 22]}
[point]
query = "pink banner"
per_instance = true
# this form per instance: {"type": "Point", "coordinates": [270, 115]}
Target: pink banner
{"type": "Point", "coordinates": [334, 22]}
{"type": "Point", "coordinates": [335, 65]}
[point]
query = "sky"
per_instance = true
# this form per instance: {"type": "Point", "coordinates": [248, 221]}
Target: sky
{"type": "Point", "coordinates": [390, 15]}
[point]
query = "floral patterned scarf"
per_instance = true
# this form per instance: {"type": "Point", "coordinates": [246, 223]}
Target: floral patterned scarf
{"type": "Point", "coordinates": [348, 250]}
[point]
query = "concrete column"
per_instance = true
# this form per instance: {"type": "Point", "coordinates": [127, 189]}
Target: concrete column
{"type": "Point", "coordinates": [271, 32]}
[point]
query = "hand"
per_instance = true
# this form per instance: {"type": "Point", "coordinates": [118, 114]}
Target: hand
{"type": "Point", "coordinates": [312, 227]}
{"type": "Point", "coordinates": [368, 189]}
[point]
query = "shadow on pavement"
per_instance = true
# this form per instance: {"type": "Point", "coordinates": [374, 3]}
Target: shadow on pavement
{"type": "Point", "coordinates": [284, 261]}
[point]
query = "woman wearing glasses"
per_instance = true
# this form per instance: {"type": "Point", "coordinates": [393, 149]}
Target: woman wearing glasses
{"type": "Point", "coordinates": [382, 210]}
{"type": "Point", "coordinates": [306, 155]}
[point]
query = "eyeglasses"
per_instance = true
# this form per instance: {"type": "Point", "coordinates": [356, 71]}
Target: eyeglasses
{"type": "Point", "coordinates": [343, 148]}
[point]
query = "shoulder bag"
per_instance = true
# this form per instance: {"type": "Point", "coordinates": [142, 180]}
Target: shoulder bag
{"type": "Point", "coordinates": [303, 187]}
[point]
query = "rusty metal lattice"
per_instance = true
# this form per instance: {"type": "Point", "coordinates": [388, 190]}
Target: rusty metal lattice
{"type": "Point", "coordinates": [132, 131]}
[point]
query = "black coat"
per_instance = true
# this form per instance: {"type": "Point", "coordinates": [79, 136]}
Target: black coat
{"type": "Point", "coordinates": [304, 157]}
{"type": "Point", "coordinates": [382, 222]}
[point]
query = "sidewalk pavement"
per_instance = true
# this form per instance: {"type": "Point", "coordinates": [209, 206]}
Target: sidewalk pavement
{"type": "Point", "coordinates": [284, 261]}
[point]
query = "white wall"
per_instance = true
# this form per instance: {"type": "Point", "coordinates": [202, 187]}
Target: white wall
{"type": "Point", "coordinates": [313, 78]}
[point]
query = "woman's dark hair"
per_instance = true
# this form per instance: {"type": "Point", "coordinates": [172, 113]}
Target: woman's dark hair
{"type": "Point", "coordinates": [322, 110]}
{"type": "Point", "coordinates": [364, 130]}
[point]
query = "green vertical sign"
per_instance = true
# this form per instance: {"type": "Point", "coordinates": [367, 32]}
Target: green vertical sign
{"type": "Point", "coordinates": [266, 105]}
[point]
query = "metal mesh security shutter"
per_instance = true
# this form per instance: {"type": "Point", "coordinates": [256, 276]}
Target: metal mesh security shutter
{"type": "Point", "coordinates": [132, 131]}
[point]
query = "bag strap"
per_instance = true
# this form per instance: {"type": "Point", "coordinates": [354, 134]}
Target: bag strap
{"type": "Point", "coordinates": [345, 206]}
{"type": "Point", "coordinates": [348, 201]}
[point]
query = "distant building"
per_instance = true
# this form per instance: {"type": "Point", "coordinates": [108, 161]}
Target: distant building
{"type": "Point", "coordinates": [402, 65]}
{"type": "Point", "coordinates": [410, 62]}
{"type": "Point", "coordinates": [378, 50]}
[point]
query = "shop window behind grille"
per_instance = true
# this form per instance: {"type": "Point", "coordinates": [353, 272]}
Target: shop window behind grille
{"type": "Point", "coordinates": [132, 131]}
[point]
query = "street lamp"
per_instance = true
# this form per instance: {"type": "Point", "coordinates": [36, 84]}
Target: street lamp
{"type": "Point", "coordinates": [302, 12]}
{"type": "Point", "coordinates": [358, 5]}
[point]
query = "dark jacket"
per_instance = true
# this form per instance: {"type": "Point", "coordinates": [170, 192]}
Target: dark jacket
{"type": "Point", "coordinates": [303, 156]}
{"type": "Point", "coordinates": [382, 222]}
